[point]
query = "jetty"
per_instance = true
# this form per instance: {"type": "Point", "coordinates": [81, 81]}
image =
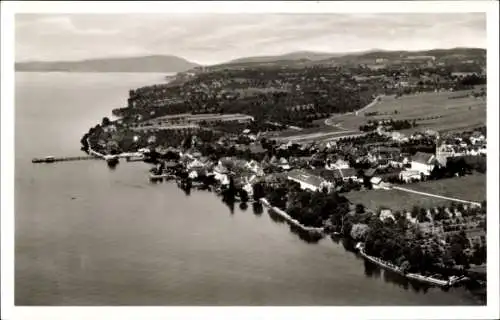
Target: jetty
{"type": "Point", "coordinates": [130, 156]}
{"type": "Point", "coordinates": [288, 218]}
{"type": "Point", "coordinates": [51, 159]}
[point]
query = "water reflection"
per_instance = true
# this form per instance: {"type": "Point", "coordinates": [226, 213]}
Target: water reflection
{"type": "Point", "coordinates": [275, 216]}
{"type": "Point", "coordinates": [307, 236]}
{"type": "Point", "coordinates": [243, 206]}
{"type": "Point", "coordinates": [349, 245]}
{"type": "Point", "coordinates": [230, 205]}
{"type": "Point", "coordinates": [112, 166]}
{"type": "Point", "coordinates": [257, 208]}
{"type": "Point", "coordinates": [336, 238]}
{"type": "Point", "coordinates": [371, 270]}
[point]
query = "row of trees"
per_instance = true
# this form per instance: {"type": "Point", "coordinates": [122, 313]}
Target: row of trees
{"type": "Point", "coordinates": [327, 90]}
{"type": "Point", "coordinates": [389, 125]}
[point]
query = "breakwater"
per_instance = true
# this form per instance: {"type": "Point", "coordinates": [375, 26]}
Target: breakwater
{"type": "Point", "coordinates": [59, 159]}
{"type": "Point", "coordinates": [414, 276]}
{"type": "Point", "coordinates": [289, 218]}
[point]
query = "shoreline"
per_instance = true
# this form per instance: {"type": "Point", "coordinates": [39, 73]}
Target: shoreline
{"type": "Point", "coordinates": [413, 276]}
{"type": "Point", "coordinates": [313, 230]}
{"type": "Point", "coordinates": [288, 218]}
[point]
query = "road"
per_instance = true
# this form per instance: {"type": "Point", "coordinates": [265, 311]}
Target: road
{"type": "Point", "coordinates": [320, 136]}
{"type": "Point", "coordinates": [329, 121]}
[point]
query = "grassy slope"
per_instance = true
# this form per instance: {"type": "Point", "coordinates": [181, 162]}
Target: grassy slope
{"type": "Point", "coordinates": [456, 113]}
{"type": "Point", "coordinates": [472, 187]}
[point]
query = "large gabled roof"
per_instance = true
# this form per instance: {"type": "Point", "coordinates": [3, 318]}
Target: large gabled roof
{"type": "Point", "coordinates": [423, 157]}
{"type": "Point", "coordinates": [306, 177]}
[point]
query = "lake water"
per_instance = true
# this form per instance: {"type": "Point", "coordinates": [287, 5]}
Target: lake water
{"type": "Point", "coordinates": [88, 235]}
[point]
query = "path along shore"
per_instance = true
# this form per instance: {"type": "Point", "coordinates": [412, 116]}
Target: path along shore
{"type": "Point", "coordinates": [415, 276]}
{"type": "Point", "coordinates": [289, 218]}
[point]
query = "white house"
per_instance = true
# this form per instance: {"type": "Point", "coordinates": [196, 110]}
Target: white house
{"type": "Point", "coordinates": [342, 164]}
{"type": "Point", "coordinates": [410, 218]}
{"type": "Point", "coordinates": [477, 139]}
{"type": "Point", "coordinates": [376, 182]}
{"type": "Point", "coordinates": [193, 174]}
{"type": "Point", "coordinates": [409, 175]}
{"type": "Point", "coordinates": [386, 214]}
{"type": "Point", "coordinates": [423, 162]}
{"type": "Point", "coordinates": [284, 164]}
{"type": "Point", "coordinates": [221, 174]}
{"type": "Point", "coordinates": [195, 164]}
{"type": "Point", "coordinates": [151, 139]}
{"type": "Point", "coordinates": [255, 167]}
{"type": "Point", "coordinates": [248, 188]}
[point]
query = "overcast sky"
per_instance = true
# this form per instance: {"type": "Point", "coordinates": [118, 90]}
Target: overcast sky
{"type": "Point", "coordinates": [214, 38]}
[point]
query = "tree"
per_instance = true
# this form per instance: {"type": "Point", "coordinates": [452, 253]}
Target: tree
{"type": "Point", "coordinates": [359, 231]}
{"type": "Point", "coordinates": [258, 191]}
{"type": "Point", "coordinates": [360, 208]}
{"type": "Point", "coordinates": [422, 215]}
{"type": "Point", "coordinates": [479, 255]}
{"type": "Point", "coordinates": [414, 212]}
{"type": "Point", "coordinates": [187, 142]}
{"type": "Point", "coordinates": [367, 183]}
{"type": "Point", "coordinates": [243, 195]}
{"type": "Point", "coordinates": [105, 122]}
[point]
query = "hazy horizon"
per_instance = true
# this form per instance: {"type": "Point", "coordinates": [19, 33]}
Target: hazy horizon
{"type": "Point", "coordinates": [260, 55]}
{"type": "Point", "coordinates": [216, 38]}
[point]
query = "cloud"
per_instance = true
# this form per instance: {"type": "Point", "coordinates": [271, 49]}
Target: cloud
{"type": "Point", "coordinates": [211, 38]}
{"type": "Point", "coordinates": [60, 25]}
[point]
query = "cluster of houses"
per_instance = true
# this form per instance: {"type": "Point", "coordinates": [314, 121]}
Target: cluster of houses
{"type": "Point", "coordinates": [332, 170]}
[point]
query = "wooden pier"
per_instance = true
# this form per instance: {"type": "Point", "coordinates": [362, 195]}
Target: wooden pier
{"type": "Point", "coordinates": [130, 157]}
{"type": "Point", "coordinates": [59, 159]}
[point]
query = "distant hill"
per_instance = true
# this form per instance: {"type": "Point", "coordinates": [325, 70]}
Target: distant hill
{"type": "Point", "coordinates": [155, 63]}
{"type": "Point", "coordinates": [299, 55]}
{"type": "Point", "coordinates": [439, 54]}
{"type": "Point", "coordinates": [369, 56]}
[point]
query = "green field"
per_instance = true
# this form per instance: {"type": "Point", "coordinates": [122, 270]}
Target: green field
{"type": "Point", "coordinates": [460, 113]}
{"type": "Point", "coordinates": [314, 136]}
{"type": "Point", "coordinates": [471, 188]}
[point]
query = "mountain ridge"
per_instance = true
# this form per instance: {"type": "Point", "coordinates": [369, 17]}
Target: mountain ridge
{"type": "Point", "coordinates": [150, 63]}
{"type": "Point", "coordinates": [171, 63]}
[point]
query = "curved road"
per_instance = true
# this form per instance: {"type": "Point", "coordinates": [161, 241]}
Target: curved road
{"type": "Point", "coordinates": [328, 121]}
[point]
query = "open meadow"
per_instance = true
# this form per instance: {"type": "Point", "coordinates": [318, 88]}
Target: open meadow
{"type": "Point", "coordinates": [471, 188]}
{"type": "Point", "coordinates": [440, 111]}
{"type": "Point", "coordinates": [450, 110]}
